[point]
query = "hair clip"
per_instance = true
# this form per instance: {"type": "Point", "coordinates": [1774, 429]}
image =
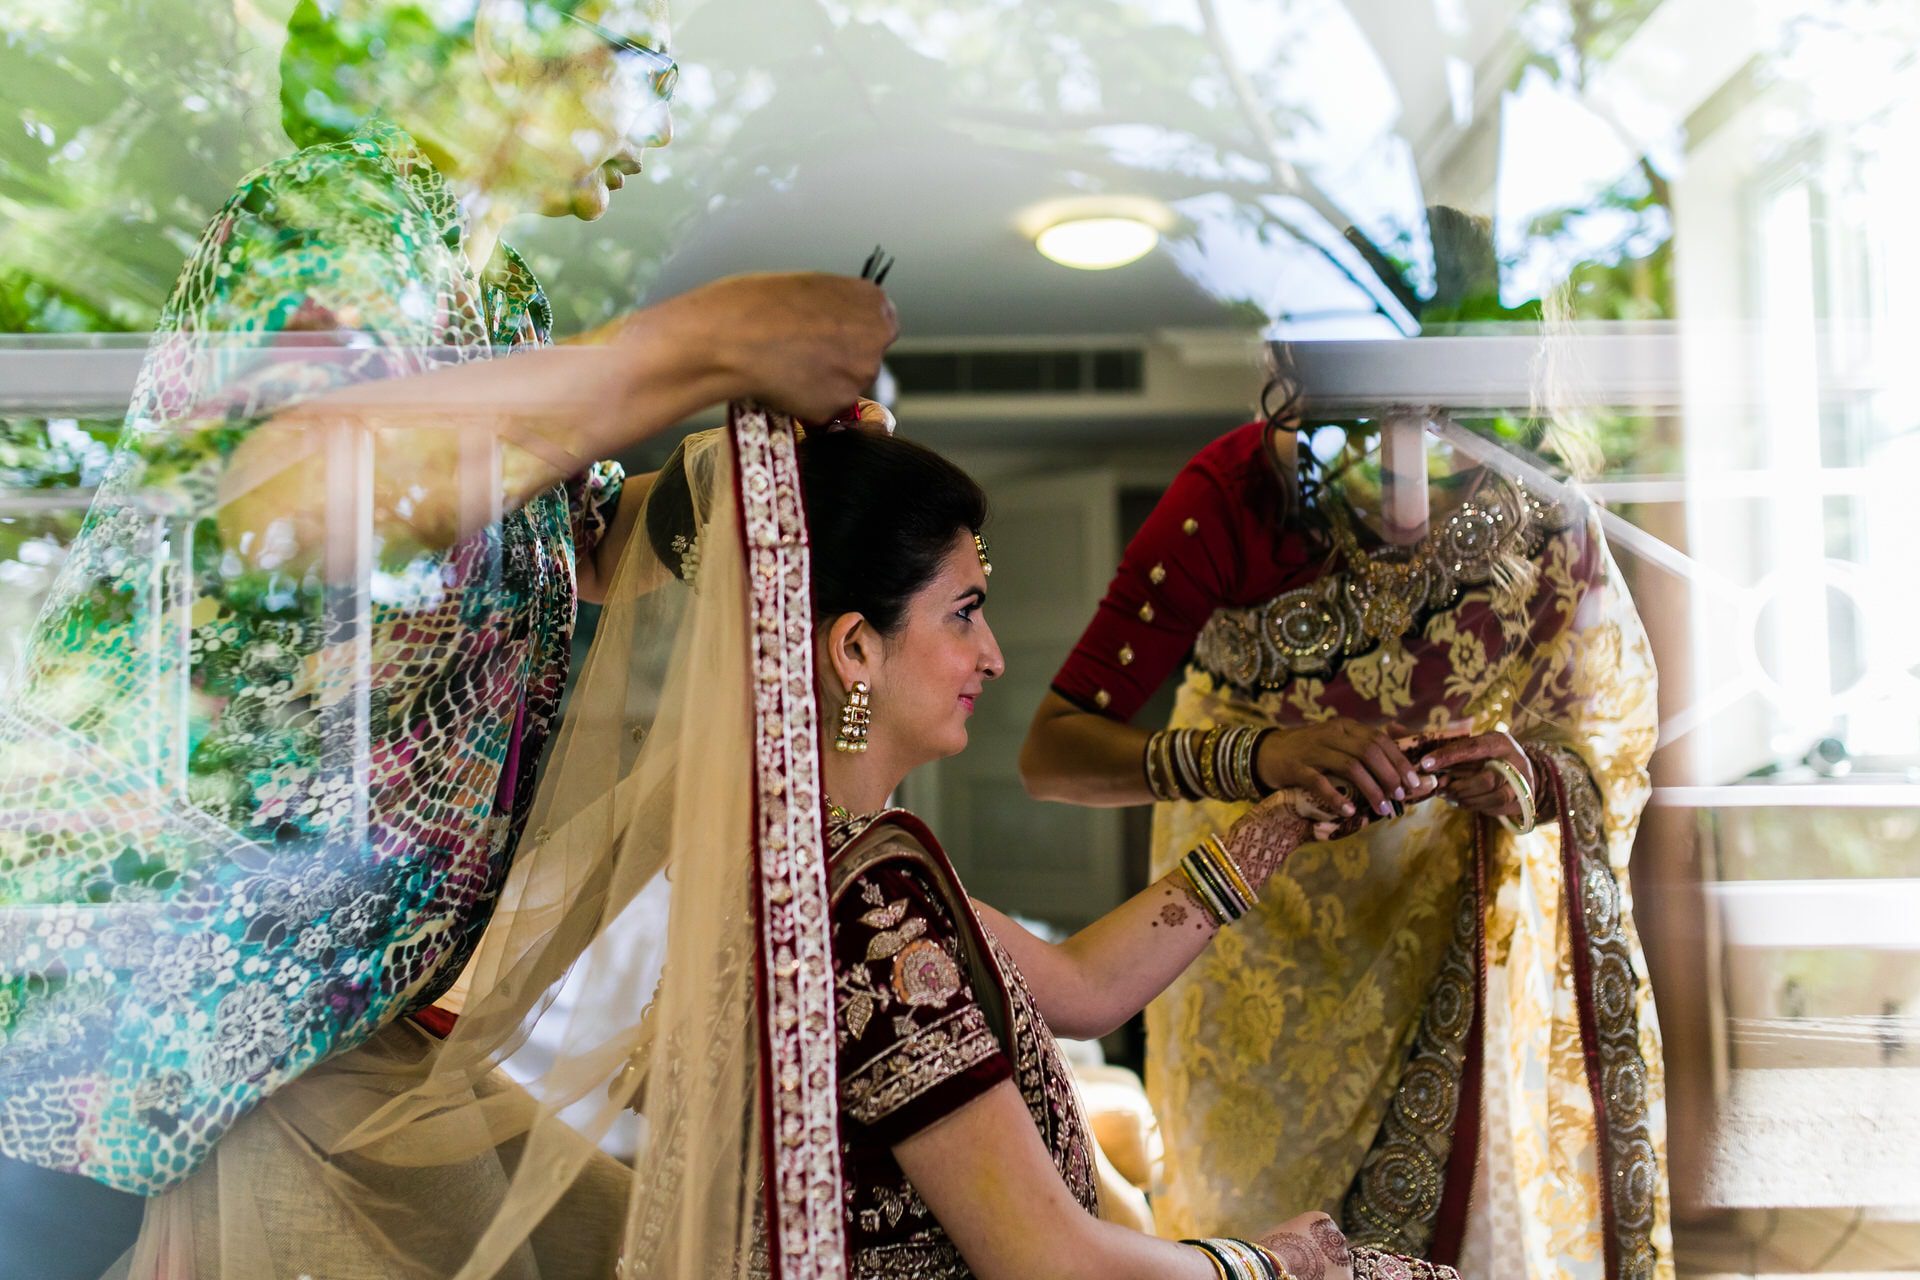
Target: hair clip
{"type": "Point", "coordinates": [877, 265]}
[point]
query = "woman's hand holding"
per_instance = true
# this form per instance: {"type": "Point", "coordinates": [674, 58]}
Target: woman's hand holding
{"type": "Point", "coordinates": [1339, 760]}
{"type": "Point", "coordinates": [1466, 780]}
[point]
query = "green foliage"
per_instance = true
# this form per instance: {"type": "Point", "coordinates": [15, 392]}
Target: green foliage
{"type": "Point", "coordinates": [129, 141]}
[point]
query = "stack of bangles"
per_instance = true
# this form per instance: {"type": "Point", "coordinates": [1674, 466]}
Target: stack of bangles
{"type": "Point", "coordinates": [1205, 764]}
{"type": "Point", "coordinates": [1241, 1260]}
{"type": "Point", "coordinates": [1216, 882]}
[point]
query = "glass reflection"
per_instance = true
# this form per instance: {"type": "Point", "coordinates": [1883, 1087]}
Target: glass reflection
{"type": "Point", "coordinates": [1728, 182]}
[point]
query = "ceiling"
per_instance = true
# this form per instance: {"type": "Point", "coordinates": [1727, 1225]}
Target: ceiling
{"type": "Point", "coordinates": [937, 130]}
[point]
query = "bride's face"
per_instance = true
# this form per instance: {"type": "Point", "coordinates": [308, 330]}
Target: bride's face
{"type": "Point", "coordinates": [937, 662]}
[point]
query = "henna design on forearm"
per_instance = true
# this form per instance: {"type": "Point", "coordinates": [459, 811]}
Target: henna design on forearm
{"type": "Point", "coordinates": [1179, 907]}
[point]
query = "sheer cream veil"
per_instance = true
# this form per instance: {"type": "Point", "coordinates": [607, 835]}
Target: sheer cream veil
{"type": "Point", "coordinates": [689, 751]}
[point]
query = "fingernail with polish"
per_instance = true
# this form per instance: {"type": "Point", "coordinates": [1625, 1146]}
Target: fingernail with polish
{"type": "Point", "coordinates": [1386, 809]}
{"type": "Point", "coordinates": [1347, 809]}
{"type": "Point", "coordinates": [1427, 763]}
{"type": "Point", "coordinates": [1399, 793]}
{"type": "Point", "coordinates": [1413, 780]}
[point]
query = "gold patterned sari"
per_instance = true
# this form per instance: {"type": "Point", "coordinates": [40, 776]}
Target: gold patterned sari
{"type": "Point", "coordinates": [1435, 974]}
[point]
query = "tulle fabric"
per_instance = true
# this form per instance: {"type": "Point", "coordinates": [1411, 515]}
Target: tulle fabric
{"type": "Point", "coordinates": [684, 754]}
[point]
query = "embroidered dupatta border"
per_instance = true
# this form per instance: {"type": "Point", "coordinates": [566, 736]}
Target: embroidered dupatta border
{"type": "Point", "coordinates": [800, 1111]}
{"type": "Point", "coordinates": [1606, 986]}
{"type": "Point", "coordinates": [1412, 1191]}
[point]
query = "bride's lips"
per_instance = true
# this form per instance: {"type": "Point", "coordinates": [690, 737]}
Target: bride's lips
{"type": "Point", "coordinates": [966, 700]}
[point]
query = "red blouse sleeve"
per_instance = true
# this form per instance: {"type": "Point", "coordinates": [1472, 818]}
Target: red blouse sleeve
{"type": "Point", "coordinates": [914, 1041]}
{"type": "Point", "coordinates": [1189, 558]}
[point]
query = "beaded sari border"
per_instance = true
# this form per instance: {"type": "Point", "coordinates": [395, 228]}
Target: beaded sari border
{"type": "Point", "coordinates": [806, 1232]}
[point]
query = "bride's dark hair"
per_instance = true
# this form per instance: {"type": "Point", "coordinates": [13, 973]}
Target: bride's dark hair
{"type": "Point", "coordinates": [882, 513]}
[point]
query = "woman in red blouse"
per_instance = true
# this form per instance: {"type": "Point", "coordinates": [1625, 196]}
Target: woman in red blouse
{"type": "Point", "coordinates": [1385, 1021]}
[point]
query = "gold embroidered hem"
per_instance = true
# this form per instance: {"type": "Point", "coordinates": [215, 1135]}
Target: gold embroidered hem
{"type": "Point", "coordinates": [914, 1065]}
{"type": "Point", "coordinates": [919, 1260]}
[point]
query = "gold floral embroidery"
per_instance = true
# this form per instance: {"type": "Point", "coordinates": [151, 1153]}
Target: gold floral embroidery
{"type": "Point", "coordinates": [889, 941]}
{"type": "Point", "coordinates": [924, 974]}
{"type": "Point", "coordinates": [1321, 1065]}
{"type": "Point", "coordinates": [791, 887]}
{"type": "Point", "coordinates": [924, 1058]}
{"type": "Point", "coordinates": [1039, 1071]}
{"type": "Point", "coordinates": [883, 917]}
{"type": "Point", "coordinates": [917, 1260]}
{"type": "Point", "coordinates": [1311, 630]}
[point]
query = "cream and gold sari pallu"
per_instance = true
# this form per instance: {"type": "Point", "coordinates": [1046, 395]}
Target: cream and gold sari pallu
{"type": "Point", "coordinates": [1436, 974]}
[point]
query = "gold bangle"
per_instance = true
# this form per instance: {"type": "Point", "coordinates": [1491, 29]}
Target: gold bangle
{"type": "Point", "coordinates": [1209, 775]}
{"type": "Point", "coordinates": [1279, 1267]}
{"type": "Point", "coordinates": [1219, 1267]}
{"type": "Point", "coordinates": [1522, 794]}
{"type": "Point", "coordinates": [1230, 868]}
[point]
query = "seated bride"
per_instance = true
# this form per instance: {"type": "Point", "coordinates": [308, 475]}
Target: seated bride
{"type": "Point", "coordinates": [963, 1147]}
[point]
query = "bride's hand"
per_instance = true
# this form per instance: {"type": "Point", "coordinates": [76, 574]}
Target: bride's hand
{"type": "Point", "coordinates": [1264, 835]}
{"type": "Point", "coordinates": [1311, 1247]}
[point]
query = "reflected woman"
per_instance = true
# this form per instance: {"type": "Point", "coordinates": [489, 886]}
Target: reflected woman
{"type": "Point", "coordinates": [275, 742]}
{"type": "Point", "coordinates": [1439, 1029]}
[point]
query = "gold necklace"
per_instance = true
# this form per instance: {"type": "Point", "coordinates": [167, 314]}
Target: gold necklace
{"type": "Point", "coordinates": [1391, 592]}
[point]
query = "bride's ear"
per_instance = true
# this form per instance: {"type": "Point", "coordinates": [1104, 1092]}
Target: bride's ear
{"type": "Point", "coordinates": [852, 649]}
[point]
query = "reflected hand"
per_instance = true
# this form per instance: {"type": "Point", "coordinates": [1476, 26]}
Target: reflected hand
{"type": "Point", "coordinates": [1467, 782]}
{"type": "Point", "coordinates": [1340, 760]}
{"type": "Point", "coordinates": [1311, 1247]}
{"type": "Point", "coordinates": [805, 343]}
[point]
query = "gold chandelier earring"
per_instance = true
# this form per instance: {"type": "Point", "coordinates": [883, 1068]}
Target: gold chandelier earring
{"type": "Point", "coordinates": [855, 717]}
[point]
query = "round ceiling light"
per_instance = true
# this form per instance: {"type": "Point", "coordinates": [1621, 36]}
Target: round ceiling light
{"type": "Point", "coordinates": [1097, 244]}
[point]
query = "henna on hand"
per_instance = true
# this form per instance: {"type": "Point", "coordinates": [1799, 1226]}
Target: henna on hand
{"type": "Point", "coordinates": [1301, 1258]}
{"type": "Point", "coordinates": [1261, 841]}
{"type": "Point", "coordinates": [1263, 837]}
{"type": "Point", "coordinates": [1331, 1241]}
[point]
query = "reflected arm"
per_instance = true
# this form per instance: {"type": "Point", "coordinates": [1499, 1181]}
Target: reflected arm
{"type": "Point", "coordinates": [551, 412]}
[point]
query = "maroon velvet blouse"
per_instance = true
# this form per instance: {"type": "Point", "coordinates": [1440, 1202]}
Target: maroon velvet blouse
{"type": "Point", "coordinates": [930, 1014]}
{"type": "Point", "coordinates": [1211, 543]}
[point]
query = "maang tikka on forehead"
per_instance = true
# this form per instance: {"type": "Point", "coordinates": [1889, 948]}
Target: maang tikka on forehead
{"type": "Point", "coordinates": [980, 549]}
